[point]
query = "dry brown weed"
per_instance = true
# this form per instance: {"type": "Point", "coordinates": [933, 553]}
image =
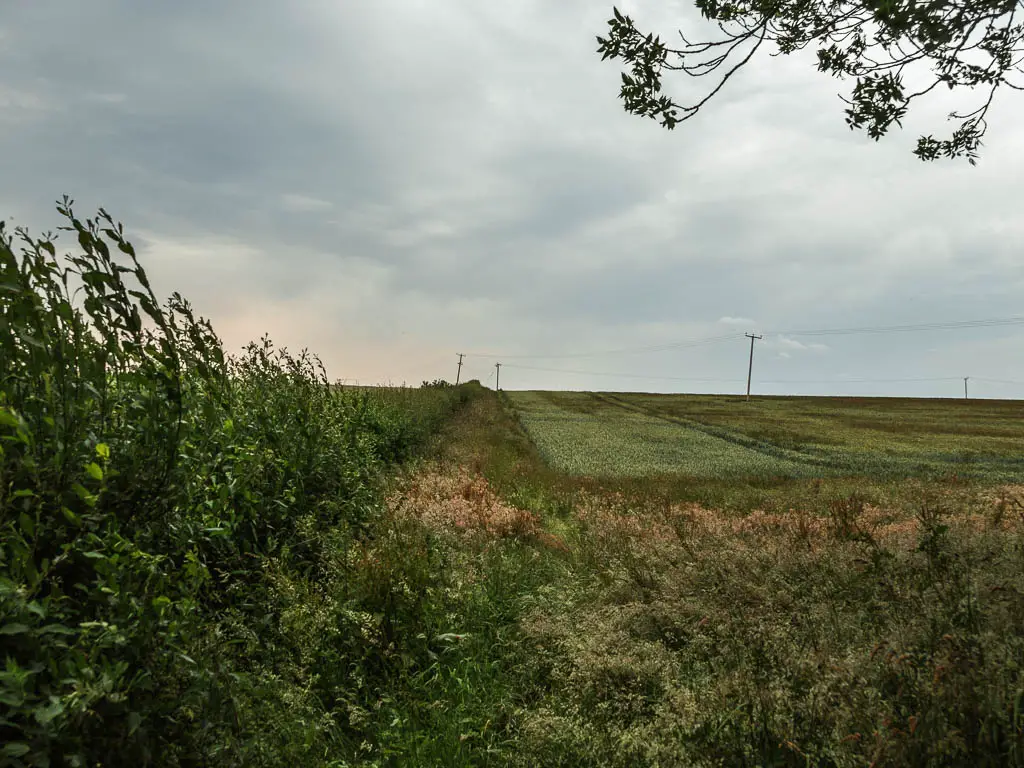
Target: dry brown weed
{"type": "Point", "coordinates": [462, 503]}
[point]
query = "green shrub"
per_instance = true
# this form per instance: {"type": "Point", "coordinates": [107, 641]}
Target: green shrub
{"type": "Point", "coordinates": [150, 485]}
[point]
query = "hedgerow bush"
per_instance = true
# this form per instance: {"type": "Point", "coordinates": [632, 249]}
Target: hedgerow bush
{"type": "Point", "coordinates": [153, 491]}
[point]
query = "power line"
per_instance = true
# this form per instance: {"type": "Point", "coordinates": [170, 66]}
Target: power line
{"type": "Point", "coordinates": [766, 381]}
{"type": "Point", "coordinates": [690, 343]}
{"type": "Point", "coordinates": [999, 381]}
{"type": "Point", "coordinates": [939, 326]}
{"type": "Point", "coordinates": [623, 351]}
{"type": "Point", "coordinates": [863, 381]}
{"type": "Point", "coordinates": [609, 373]}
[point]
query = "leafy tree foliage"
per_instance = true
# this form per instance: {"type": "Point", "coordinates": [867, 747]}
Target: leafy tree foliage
{"type": "Point", "coordinates": [881, 44]}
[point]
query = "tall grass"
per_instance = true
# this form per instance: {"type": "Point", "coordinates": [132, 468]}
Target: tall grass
{"type": "Point", "coordinates": [866, 637]}
{"type": "Point", "coordinates": [844, 623]}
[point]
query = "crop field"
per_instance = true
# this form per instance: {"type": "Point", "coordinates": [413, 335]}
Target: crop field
{"type": "Point", "coordinates": [642, 435]}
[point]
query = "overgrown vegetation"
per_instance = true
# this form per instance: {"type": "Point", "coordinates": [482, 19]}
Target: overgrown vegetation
{"type": "Point", "coordinates": [168, 511]}
{"type": "Point", "coordinates": [826, 622]}
{"type": "Point", "coordinates": [217, 560]}
{"type": "Point", "coordinates": [847, 635]}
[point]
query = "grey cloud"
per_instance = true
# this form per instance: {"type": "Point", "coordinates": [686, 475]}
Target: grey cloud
{"type": "Point", "coordinates": [390, 182]}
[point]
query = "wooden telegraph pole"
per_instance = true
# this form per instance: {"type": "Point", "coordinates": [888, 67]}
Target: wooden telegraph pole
{"type": "Point", "coordinates": [965, 386]}
{"type": "Point", "coordinates": [750, 367]}
{"type": "Point", "coordinates": [497, 377]}
{"type": "Point", "coordinates": [458, 375]}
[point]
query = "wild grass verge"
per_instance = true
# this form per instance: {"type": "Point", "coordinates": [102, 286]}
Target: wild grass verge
{"type": "Point", "coordinates": [833, 623]}
{"type": "Point", "coordinates": [843, 636]}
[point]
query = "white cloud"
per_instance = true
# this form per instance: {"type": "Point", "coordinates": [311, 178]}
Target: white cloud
{"type": "Point", "coordinates": [786, 343]}
{"type": "Point", "coordinates": [106, 98]}
{"type": "Point", "coordinates": [304, 204]}
{"type": "Point", "coordinates": [23, 102]}
{"type": "Point", "coordinates": [794, 345]}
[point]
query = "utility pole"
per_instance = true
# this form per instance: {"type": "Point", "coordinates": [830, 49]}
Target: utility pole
{"type": "Point", "coordinates": [497, 378]}
{"type": "Point", "coordinates": [965, 386]}
{"type": "Point", "coordinates": [459, 374]}
{"type": "Point", "coordinates": [750, 368]}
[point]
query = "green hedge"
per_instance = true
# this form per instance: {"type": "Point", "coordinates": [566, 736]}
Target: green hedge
{"type": "Point", "coordinates": [148, 482]}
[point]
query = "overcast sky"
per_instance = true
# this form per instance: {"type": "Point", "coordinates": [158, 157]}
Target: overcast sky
{"type": "Point", "coordinates": [390, 182]}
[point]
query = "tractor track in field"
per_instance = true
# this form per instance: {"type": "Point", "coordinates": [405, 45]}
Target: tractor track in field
{"type": "Point", "coordinates": [728, 437]}
{"type": "Point", "coordinates": [797, 457]}
{"type": "Point", "coordinates": [688, 439]}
